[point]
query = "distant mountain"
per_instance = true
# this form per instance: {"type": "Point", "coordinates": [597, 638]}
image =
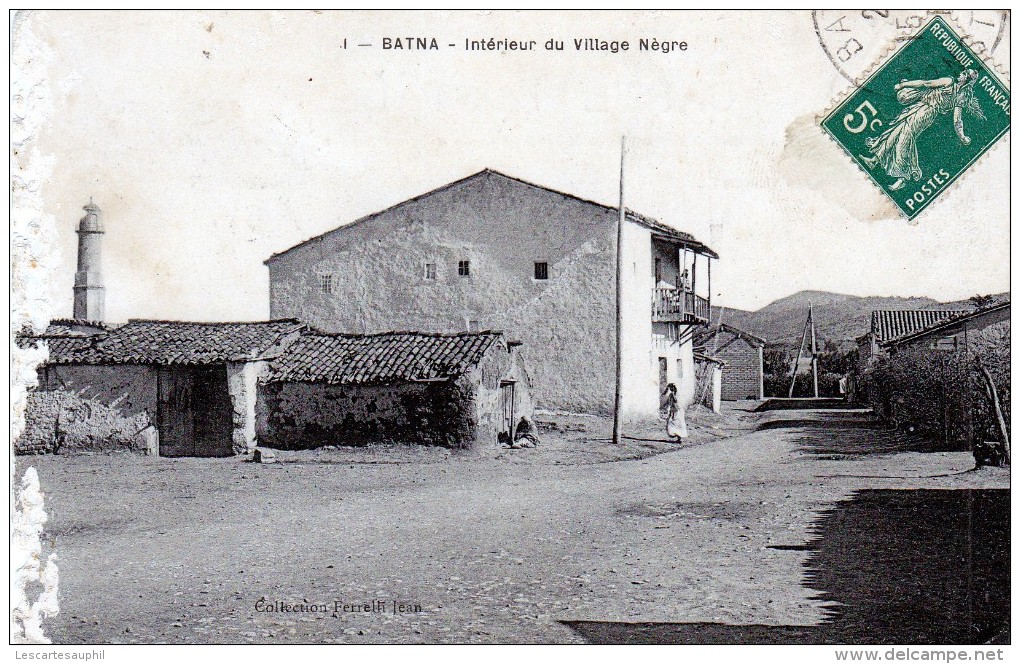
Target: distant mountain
{"type": "Point", "coordinates": [838, 317]}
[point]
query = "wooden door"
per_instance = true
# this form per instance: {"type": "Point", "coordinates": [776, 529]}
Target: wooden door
{"type": "Point", "coordinates": [195, 412]}
{"type": "Point", "coordinates": [214, 412]}
{"type": "Point", "coordinates": [175, 416]}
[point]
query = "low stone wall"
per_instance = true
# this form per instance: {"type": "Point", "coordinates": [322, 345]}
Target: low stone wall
{"type": "Point", "coordinates": [78, 408]}
{"type": "Point", "coordinates": [293, 416]}
{"type": "Point", "coordinates": [61, 422]}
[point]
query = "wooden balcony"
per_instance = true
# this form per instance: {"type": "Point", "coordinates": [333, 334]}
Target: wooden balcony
{"type": "Point", "coordinates": [674, 306]}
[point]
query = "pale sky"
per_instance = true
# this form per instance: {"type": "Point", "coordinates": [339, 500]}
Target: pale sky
{"type": "Point", "coordinates": [212, 140]}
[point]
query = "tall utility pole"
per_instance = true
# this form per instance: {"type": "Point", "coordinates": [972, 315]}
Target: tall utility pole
{"type": "Point", "coordinates": [617, 421]}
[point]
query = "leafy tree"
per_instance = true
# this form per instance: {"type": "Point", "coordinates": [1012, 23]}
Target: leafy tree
{"type": "Point", "coordinates": [777, 360]}
{"type": "Point", "coordinates": [981, 301]}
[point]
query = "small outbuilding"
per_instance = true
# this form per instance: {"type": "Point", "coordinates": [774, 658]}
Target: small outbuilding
{"type": "Point", "coordinates": [743, 356]}
{"type": "Point", "coordinates": [169, 388]}
{"type": "Point", "coordinates": [174, 388]}
{"type": "Point", "coordinates": [452, 390]}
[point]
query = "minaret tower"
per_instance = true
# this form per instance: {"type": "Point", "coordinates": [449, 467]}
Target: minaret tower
{"type": "Point", "coordinates": [89, 294]}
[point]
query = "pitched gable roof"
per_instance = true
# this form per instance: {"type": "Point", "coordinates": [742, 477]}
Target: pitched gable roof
{"type": "Point", "coordinates": [389, 357]}
{"type": "Point", "coordinates": [658, 228]}
{"type": "Point", "coordinates": [703, 336]}
{"type": "Point", "coordinates": [889, 324]}
{"type": "Point", "coordinates": [947, 323]}
{"type": "Point", "coordinates": [703, 357]}
{"type": "Point", "coordinates": [174, 342]}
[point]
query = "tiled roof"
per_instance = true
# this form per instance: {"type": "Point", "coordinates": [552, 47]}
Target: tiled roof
{"type": "Point", "coordinates": [948, 322]}
{"type": "Point", "coordinates": [888, 324]}
{"type": "Point", "coordinates": [380, 358]}
{"type": "Point", "coordinates": [173, 342]}
{"type": "Point", "coordinates": [60, 346]}
{"type": "Point", "coordinates": [72, 327]}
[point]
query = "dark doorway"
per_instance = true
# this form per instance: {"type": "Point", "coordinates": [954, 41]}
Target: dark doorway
{"type": "Point", "coordinates": [195, 412]}
{"type": "Point", "coordinates": [506, 390]}
{"type": "Point", "coordinates": [663, 382]}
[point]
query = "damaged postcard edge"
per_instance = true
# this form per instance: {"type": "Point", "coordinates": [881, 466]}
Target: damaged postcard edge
{"type": "Point", "coordinates": [34, 252]}
{"type": "Point", "coordinates": [881, 60]}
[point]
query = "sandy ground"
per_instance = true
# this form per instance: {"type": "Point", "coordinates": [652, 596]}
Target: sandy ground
{"type": "Point", "coordinates": [561, 544]}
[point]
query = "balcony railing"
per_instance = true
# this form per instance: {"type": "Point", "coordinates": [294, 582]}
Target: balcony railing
{"type": "Point", "coordinates": [674, 306]}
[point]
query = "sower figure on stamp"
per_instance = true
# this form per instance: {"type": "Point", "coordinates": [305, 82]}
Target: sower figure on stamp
{"type": "Point", "coordinates": [676, 420]}
{"type": "Point", "coordinates": [895, 149]}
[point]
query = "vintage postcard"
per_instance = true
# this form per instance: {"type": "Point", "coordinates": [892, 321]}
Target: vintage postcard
{"type": "Point", "coordinates": [511, 327]}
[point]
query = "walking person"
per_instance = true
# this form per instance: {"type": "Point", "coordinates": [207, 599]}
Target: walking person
{"type": "Point", "coordinates": [676, 420]}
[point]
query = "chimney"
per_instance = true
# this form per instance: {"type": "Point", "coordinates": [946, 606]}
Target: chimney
{"type": "Point", "coordinates": [89, 294]}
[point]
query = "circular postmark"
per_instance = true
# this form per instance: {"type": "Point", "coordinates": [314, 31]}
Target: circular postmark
{"type": "Point", "coordinates": [854, 39]}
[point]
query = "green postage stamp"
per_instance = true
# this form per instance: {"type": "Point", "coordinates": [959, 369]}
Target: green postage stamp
{"type": "Point", "coordinates": [922, 118]}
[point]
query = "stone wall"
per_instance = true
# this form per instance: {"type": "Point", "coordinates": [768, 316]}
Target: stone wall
{"type": "Point", "coordinates": [242, 384]}
{"type": "Point", "coordinates": [80, 408]}
{"type": "Point", "coordinates": [502, 227]}
{"type": "Point", "coordinates": [309, 415]}
{"type": "Point", "coordinates": [461, 413]}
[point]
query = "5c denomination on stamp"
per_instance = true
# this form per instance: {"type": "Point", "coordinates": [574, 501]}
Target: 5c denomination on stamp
{"type": "Point", "coordinates": [923, 117]}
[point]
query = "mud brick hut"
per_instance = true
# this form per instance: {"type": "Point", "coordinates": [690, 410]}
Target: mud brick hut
{"type": "Point", "coordinates": [169, 388]}
{"type": "Point", "coordinates": [453, 390]}
{"type": "Point", "coordinates": [743, 356]}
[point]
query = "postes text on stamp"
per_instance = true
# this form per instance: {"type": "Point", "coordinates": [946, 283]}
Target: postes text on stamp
{"type": "Point", "coordinates": [923, 117]}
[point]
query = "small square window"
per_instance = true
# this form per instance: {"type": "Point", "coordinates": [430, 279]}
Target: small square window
{"type": "Point", "coordinates": [541, 271]}
{"type": "Point", "coordinates": [464, 268]}
{"type": "Point", "coordinates": [326, 284]}
{"type": "Point", "coordinates": [430, 271]}
{"type": "Point", "coordinates": [474, 326]}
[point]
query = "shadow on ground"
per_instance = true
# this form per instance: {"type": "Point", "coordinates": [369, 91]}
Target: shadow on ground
{"type": "Point", "coordinates": [894, 567]}
{"type": "Point", "coordinates": [804, 403]}
{"type": "Point", "coordinates": [848, 434]}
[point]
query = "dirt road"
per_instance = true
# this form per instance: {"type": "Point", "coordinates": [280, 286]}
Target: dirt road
{"type": "Point", "coordinates": [689, 546]}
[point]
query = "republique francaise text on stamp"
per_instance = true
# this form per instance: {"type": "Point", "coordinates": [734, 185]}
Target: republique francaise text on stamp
{"type": "Point", "coordinates": [922, 118]}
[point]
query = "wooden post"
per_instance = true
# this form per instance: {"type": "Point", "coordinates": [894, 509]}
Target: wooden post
{"type": "Point", "coordinates": [993, 395]}
{"type": "Point", "coordinates": [709, 289]}
{"type": "Point", "coordinates": [617, 418]}
{"type": "Point", "coordinates": [694, 286]}
{"type": "Point", "coordinates": [800, 351]}
{"type": "Point", "coordinates": [814, 348]}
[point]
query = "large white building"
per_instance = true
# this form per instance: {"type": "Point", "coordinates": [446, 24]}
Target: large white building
{"type": "Point", "coordinates": [492, 252]}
